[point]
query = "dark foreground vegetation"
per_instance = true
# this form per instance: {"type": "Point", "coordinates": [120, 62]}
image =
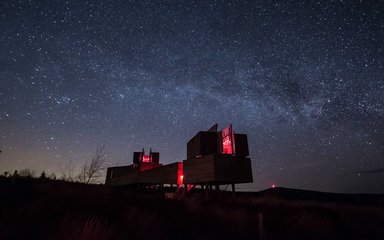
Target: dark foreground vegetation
{"type": "Point", "coordinates": [52, 209]}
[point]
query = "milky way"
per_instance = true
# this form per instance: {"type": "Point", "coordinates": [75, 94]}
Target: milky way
{"type": "Point", "coordinates": [304, 80]}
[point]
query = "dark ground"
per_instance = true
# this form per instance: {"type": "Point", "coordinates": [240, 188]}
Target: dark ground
{"type": "Point", "coordinates": [48, 209]}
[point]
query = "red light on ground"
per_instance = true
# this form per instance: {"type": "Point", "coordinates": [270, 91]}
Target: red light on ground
{"type": "Point", "coordinates": [273, 185]}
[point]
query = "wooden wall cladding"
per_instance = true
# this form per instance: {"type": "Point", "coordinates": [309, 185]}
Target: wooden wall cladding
{"type": "Point", "coordinates": [199, 170]}
{"type": "Point", "coordinates": [241, 145]}
{"type": "Point", "coordinates": [218, 168]}
{"type": "Point", "coordinates": [167, 174]}
{"type": "Point", "coordinates": [201, 144]}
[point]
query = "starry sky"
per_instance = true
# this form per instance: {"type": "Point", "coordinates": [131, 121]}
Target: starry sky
{"type": "Point", "coordinates": [304, 80]}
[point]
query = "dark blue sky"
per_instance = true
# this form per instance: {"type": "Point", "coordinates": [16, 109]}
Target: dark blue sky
{"type": "Point", "coordinates": [304, 80]}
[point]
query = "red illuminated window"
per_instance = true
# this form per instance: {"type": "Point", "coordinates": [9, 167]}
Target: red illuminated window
{"type": "Point", "coordinates": [228, 140]}
{"type": "Point", "coordinates": [146, 158]}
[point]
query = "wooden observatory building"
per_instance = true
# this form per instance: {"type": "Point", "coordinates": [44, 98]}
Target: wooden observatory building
{"type": "Point", "coordinates": [213, 158]}
{"type": "Point", "coordinates": [145, 170]}
{"type": "Point", "coordinates": [217, 157]}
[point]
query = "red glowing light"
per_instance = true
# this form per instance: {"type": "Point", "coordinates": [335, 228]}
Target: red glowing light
{"type": "Point", "coordinates": [180, 174]}
{"type": "Point", "coordinates": [228, 140]}
{"type": "Point", "coordinates": [146, 158]}
{"type": "Point", "coordinates": [273, 185]}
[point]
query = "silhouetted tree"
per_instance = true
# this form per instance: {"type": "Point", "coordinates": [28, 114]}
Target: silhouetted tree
{"type": "Point", "coordinates": [6, 174]}
{"type": "Point", "coordinates": [43, 175]}
{"type": "Point", "coordinates": [66, 172]}
{"type": "Point", "coordinates": [26, 172]}
{"type": "Point", "coordinates": [92, 171]}
{"type": "Point", "coordinates": [52, 176]}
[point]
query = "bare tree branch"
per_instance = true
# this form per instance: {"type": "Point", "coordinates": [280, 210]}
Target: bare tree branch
{"type": "Point", "coordinates": [66, 172]}
{"type": "Point", "coordinates": [26, 172]}
{"type": "Point", "coordinates": [92, 171]}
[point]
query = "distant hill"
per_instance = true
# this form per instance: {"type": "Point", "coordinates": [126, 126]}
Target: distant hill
{"type": "Point", "coordinates": [308, 195]}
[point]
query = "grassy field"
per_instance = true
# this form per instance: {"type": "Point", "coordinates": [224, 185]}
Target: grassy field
{"type": "Point", "coordinates": [48, 209]}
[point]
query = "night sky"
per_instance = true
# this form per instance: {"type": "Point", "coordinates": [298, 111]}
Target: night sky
{"type": "Point", "coordinates": [304, 80]}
